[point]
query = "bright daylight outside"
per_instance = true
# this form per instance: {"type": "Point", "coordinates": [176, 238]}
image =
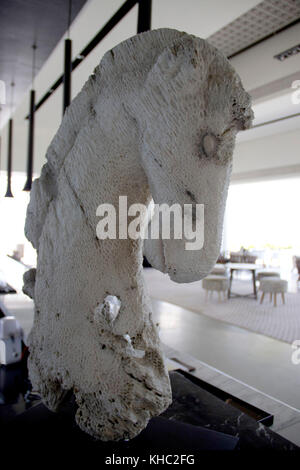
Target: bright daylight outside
{"type": "Point", "coordinates": [261, 217]}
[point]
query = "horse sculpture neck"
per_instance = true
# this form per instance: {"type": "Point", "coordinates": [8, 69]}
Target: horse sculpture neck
{"type": "Point", "coordinates": [113, 364]}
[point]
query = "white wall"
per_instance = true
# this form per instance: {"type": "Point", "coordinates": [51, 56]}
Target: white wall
{"type": "Point", "coordinates": [275, 151]}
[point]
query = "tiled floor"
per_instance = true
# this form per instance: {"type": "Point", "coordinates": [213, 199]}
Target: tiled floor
{"type": "Point", "coordinates": [259, 361]}
{"type": "Point", "coordinates": [281, 322]}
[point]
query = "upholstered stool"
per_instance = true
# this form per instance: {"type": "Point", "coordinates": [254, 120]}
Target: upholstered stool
{"type": "Point", "coordinates": [261, 274]}
{"type": "Point", "coordinates": [215, 283]}
{"type": "Point", "coordinates": [273, 286]}
{"type": "Point", "coordinates": [219, 269]}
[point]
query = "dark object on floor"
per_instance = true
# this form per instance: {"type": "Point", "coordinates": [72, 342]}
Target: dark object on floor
{"type": "Point", "coordinates": [146, 263]}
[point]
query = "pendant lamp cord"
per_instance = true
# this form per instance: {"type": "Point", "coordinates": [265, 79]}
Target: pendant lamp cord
{"type": "Point", "coordinates": [69, 17]}
{"type": "Point", "coordinates": [34, 48]}
{"type": "Point", "coordinates": [12, 89]}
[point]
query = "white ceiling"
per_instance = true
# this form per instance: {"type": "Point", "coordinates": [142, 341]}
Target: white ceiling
{"type": "Point", "coordinates": [193, 16]}
{"type": "Point", "coordinates": [257, 23]}
{"type": "Point", "coordinates": [199, 17]}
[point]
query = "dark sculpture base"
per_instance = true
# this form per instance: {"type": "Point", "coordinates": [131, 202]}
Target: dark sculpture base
{"type": "Point", "coordinates": [196, 421]}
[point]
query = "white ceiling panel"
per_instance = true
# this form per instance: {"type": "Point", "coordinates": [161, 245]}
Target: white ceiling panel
{"type": "Point", "coordinates": [264, 19]}
{"type": "Point", "coordinates": [199, 17]}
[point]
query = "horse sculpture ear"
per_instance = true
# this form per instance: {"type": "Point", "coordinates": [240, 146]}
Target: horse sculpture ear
{"type": "Point", "coordinates": [178, 70]}
{"type": "Point", "coordinates": [179, 59]}
{"type": "Point", "coordinates": [192, 68]}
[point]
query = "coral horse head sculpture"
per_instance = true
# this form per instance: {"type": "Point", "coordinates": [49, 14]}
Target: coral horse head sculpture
{"type": "Point", "coordinates": [158, 118]}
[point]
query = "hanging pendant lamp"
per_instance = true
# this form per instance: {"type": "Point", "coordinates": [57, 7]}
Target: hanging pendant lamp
{"type": "Point", "coordinates": [67, 64]}
{"type": "Point", "coordinates": [144, 16]}
{"type": "Point", "coordinates": [9, 148]}
{"type": "Point", "coordinates": [30, 153]}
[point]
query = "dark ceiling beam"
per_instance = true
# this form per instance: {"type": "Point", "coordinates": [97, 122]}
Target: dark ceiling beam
{"type": "Point", "coordinates": [114, 20]}
{"type": "Point", "coordinates": [290, 116]}
{"type": "Point", "coordinates": [144, 16]}
{"type": "Point", "coordinates": [67, 74]}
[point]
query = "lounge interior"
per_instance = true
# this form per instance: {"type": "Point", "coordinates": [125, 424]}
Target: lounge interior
{"type": "Point", "coordinates": [238, 329]}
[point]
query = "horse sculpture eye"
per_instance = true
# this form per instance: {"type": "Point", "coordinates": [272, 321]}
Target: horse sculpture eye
{"type": "Point", "coordinates": [209, 144]}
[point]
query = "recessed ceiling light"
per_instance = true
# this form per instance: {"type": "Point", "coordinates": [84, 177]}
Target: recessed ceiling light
{"type": "Point", "coordinates": [288, 53]}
